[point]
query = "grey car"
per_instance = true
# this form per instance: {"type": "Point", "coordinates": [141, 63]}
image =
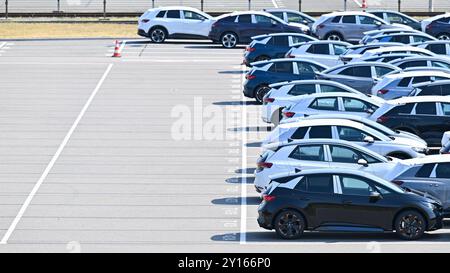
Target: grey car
{"type": "Point", "coordinates": [421, 61]}
{"type": "Point", "coordinates": [347, 26]}
{"type": "Point", "coordinates": [292, 16]}
{"type": "Point", "coordinates": [395, 17]}
{"type": "Point", "coordinates": [361, 76]}
{"type": "Point", "coordinates": [431, 175]}
{"type": "Point", "coordinates": [356, 51]}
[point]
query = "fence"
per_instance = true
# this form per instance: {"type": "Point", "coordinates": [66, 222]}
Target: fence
{"type": "Point", "coordinates": [60, 7]}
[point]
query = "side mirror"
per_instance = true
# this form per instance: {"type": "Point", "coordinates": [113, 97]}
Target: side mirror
{"type": "Point", "coordinates": [374, 196]}
{"type": "Point", "coordinates": [363, 162]}
{"type": "Point", "coordinates": [305, 22]}
{"type": "Point", "coordinates": [369, 111]}
{"type": "Point", "coordinates": [378, 24]}
{"type": "Point", "coordinates": [369, 139]}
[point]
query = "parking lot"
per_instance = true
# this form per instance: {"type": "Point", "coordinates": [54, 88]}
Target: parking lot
{"type": "Point", "coordinates": [117, 154]}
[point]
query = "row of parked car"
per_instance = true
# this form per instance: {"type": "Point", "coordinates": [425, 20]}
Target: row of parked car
{"type": "Point", "coordinates": [354, 123]}
{"type": "Point", "coordinates": [235, 28]}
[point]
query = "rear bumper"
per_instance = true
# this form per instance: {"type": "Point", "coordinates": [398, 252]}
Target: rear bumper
{"type": "Point", "coordinates": [265, 219]}
{"type": "Point", "coordinates": [249, 90]}
{"type": "Point", "coordinates": [142, 33]}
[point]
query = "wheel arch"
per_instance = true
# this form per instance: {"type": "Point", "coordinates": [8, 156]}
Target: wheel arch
{"type": "Point", "coordinates": [290, 208]}
{"type": "Point", "coordinates": [413, 209]}
{"type": "Point", "coordinates": [159, 26]}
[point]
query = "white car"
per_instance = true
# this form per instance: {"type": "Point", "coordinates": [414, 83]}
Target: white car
{"type": "Point", "coordinates": [158, 24]}
{"type": "Point", "coordinates": [334, 103]}
{"type": "Point", "coordinates": [284, 94]}
{"type": "Point", "coordinates": [324, 52]}
{"type": "Point", "coordinates": [349, 130]}
{"type": "Point", "coordinates": [356, 51]}
{"type": "Point", "coordinates": [397, 49]}
{"type": "Point", "coordinates": [398, 85]}
{"type": "Point", "coordinates": [321, 153]}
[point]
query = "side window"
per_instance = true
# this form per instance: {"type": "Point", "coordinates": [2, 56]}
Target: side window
{"type": "Point", "coordinates": [278, 14]}
{"type": "Point", "coordinates": [283, 67]}
{"type": "Point", "coordinates": [304, 67]}
{"type": "Point", "coordinates": [404, 82]}
{"type": "Point", "coordinates": [280, 40]}
{"type": "Point", "coordinates": [404, 39]}
{"type": "Point", "coordinates": [437, 48]}
{"type": "Point", "coordinates": [229, 19]}
{"type": "Point", "coordinates": [431, 90]}
{"type": "Point", "coordinates": [294, 18]}
{"type": "Point", "coordinates": [440, 64]}
{"type": "Point", "coordinates": [174, 14]}
{"type": "Point", "coordinates": [300, 133]}
{"type": "Point", "coordinates": [443, 170]}
{"type": "Point", "coordinates": [246, 18]}
{"type": "Point", "coordinates": [330, 104]}
{"type": "Point", "coordinates": [402, 109]}
{"type": "Point", "coordinates": [348, 72]}
{"type": "Point", "coordinates": [413, 64]}
{"type": "Point", "coordinates": [299, 39]}
{"type": "Point", "coordinates": [339, 49]}
{"type": "Point", "coordinates": [302, 89]}
{"type": "Point", "coordinates": [426, 108]}
{"type": "Point", "coordinates": [420, 79]}
{"type": "Point", "coordinates": [189, 15]}
{"type": "Point", "coordinates": [331, 88]}
{"type": "Point", "coordinates": [309, 153]}
{"type": "Point", "coordinates": [378, 14]}
{"type": "Point", "coordinates": [321, 183]}
{"type": "Point", "coordinates": [351, 134]}
{"type": "Point", "coordinates": [161, 14]}
{"type": "Point", "coordinates": [425, 170]}
{"type": "Point", "coordinates": [261, 19]}
{"type": "Point", "coordinates": [319, 49]}
{"type": "Point", "coordinates": [336, 19]}
{"type": "Point", "coordinates": [349, 19]}
{"type": "Point", "coordinates": [419, 39]}
{"type": "Point", "coordinates": [352, 185]}
{"type": "Point", "coordinates": [445, 90]}
{"type": "Point", "coordinates": [394, 18]}
{"type": "Point", "coordinates": [366, 20]}
{"type": "Point", "coordinates": [445, 108]}
{"type": "Point", "coordinates": [381, 70]}
{"type": "Point", "coordinates": [356, 105]}
{"type": "Point", "coordinates": [301, 185]}
{"type": "Point", "coordinates": [343, 154]}
{"type": "Point", "coordinates": [320, 132]}
{"type": "Point", "coordinates": [363, 71]}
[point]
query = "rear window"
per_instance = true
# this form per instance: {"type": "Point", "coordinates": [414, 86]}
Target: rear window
{"type": "Point", "coordinates": [300, 133]}
{"type": "Point", "coordinates": [413, 64]}
{"type": "Point", "coordinates": [336, 19]}
{"type": "Point", "coordinates": [245, 18]}
{"type": "Point", "coordinates": [426, 108]}
{"type": "Point", "coordinates": [320, 132]}
{"type": "Point", "coordinates": [404, 82]}
{"type": "Point", "coordinates": [228, 19]}
{"type": "Point", "coordinates": [302, 89]}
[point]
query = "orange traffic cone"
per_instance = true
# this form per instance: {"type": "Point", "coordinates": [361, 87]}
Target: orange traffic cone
{"type": "Point", "coordinates": [117, 50]}
{"type": "Point", "coordinates": [364, 4]}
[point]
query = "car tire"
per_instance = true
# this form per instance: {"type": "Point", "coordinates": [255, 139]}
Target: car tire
{"type": "Point", "coordinates": [410, 225]}
{"type": "Point", "coordinates": [260, 92]}
{"type": "Point", "coordinates": [262, 58]}
{"type": "Point", "coordinates": [443, 36]}
{"type": "Point", "coordinates": [229, 40]}
{"type": "Point", "coordinates": [334, 36]}
{"type": "Point", "coordinates": [157, 35]}
{"type": "Point", "coordinates": [289, 224]}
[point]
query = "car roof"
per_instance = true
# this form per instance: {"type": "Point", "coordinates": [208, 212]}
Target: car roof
{"type": "Point", "coordinates": [418, 73]}
{"type": "Point", "coordinates": [359, 64]}
{"type": "Point", "coordinates": [404, 100]}
{"type": "Point", "coordinates": [407, 55]}
{"type": "Point", "coordinates": [326, 171]}
{"type": "Point", "coordinates": [325, 42]}
{"type": "Point", "coordinates": [417, 58]}
{"type": "Point", "coordinates": [289, 60]}
{"type": "Point", "coordinates": [376, 44]}
{"type": "Point", "coordinates": [317, 122]}
{"type": "Point", "coordinates": [284, 34]}
{"type": "Point", "coordinates": [298, 82]}
{"type": "Point", "coordinates": [399, 34]}
{"type": "Point", "coordinates": [432, 42]}
{"type": "Point", "coordinates": [174, 8]}
{"type": "Point", "coordinates": [399, 48]}
{"type": "Point", "coordinates": [375, 100]}
{"type": "Point", "coordinates": [429, 159]}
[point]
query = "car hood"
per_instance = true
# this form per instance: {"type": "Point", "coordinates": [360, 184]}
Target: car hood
{"type": "Point", "coordinates": [423, 197]}
{"type": "Point", "coordinates": [409, 135]}
{"type": "Point", "coordinates": [401, 26]}
{"type": "Point", "coordinates": [411, 142]}
{"type": "Point", "coordinates": [303, 27]}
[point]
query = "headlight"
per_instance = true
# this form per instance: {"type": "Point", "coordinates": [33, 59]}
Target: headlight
{"type": "Point", "coordinates": [430, 205]}
{"type": "Point", "coordinates": [419, 149]}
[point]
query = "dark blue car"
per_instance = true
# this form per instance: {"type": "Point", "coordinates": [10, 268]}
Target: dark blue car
{"type": "Point", "coordinates": [239, 27]}
{"type": "Point", "coordinates": [265, 73]}
{"type": "Point", "coordinates": [272, 46]}
{"type": "Point", "coordinates": [439, 28]}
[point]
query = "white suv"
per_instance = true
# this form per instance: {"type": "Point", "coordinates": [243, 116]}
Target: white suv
{"type": "Point", "coordinates": [158, 24]}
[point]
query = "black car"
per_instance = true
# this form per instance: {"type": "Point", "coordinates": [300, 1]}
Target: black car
{"type": "Point", "coordinates": [345, 201]}
{"type": "Point", "coordinates": [425, 116]}
{"type": "Point", "coordinates": [238, 28]}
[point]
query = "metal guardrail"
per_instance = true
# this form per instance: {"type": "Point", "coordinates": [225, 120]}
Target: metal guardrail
{"type": "Point", "coordinates": [133, 7]}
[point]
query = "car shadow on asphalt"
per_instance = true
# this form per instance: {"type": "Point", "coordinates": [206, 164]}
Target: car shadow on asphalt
{"type": "Point", "coordinates": [241, 180]}
{"type": "Point", "coordinates": [252, 200]}
{"type": "Point", "coordinates": [211, 46]}
{"type": "Point", "coordinates": [254, 144]}
{"type": "Point", "coordinates": [231, 103]}
{"type": "Point", "coordinates": [267, 236]}
{"type": "Point", "coordinates": [245, 171]}
{"type": "Point", "coordinates": [232, 72]}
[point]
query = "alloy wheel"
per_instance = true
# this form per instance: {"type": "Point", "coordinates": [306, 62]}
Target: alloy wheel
{"type": "Point", "coordinates": [261, 92]}
{"type": "Point", "coordinates": [444, 37]}
{"type": "Point", "coordinates": [229, 40]}
{"type": "Point", "coordinates": [290, 225]}
{"type": "Point", "coordinates": [334, 37]}
{"type": "Point", "coordinates": [158, 35]}
{"type": "Point", "coordinates": [410, 226]}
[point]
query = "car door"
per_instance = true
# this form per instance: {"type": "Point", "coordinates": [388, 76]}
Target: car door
{"type": "Point", "coordinates": [280, 45]}
{"type": "Point", "coordinates": [366, 23]}
{"type": "Point", "coordinates": [307, 157]}
{"type": "Point", "coordinates": [430, 126]}
{"type": "Point", "coordinates": [357, 77]}
{"type": "Point", "coordinates": [321, 54]}
{"type": "Point", "coordinates": [322, 106]}
{"type": "Point", "coordinates": [196, 24]}
{"type": "Point", "coordinates": [358, 107]}
{"type": "Point", "coordinates": [264, 25]}
{"type": "Point", "coordinates": [349, 28]}
{"type": "Point", "coordinates": [346, 157]}
{"type": "Point", "coordinates": [306, 70]}
{"type": "Point", "coordinates": [174, 22]}
{"type": "Point", "coordinates": [441, 186]}
{"type": "Point", "coordinates": [336, 51]}
{"type": "Point", "coordinates": [359, 209]}
{"type": "Point", "coordinates": [282, 71]}
{"type": "Point", "coordinates": [245, 27]}
{"type": "Point", "coordinates": [357, 136]}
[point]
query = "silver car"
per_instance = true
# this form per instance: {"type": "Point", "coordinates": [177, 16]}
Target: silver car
{"type": "Point", "coordinates": [421, 61]}
{"type": "Point", "coordinates": [335, 103]}
{"type": "Point", "coordinates": [347, 26]}
{"type": "Point", "coordinates": [284, 94]}
{"type": "Point", "coordinates": [349, 130]}
{"type": "Point", "coordinates": [324, 52]}
{"type": "Point", "coordinates": [321, 153]}
{"type": "Point", "coordinates": [430, 175]}
{"type": "Point", "coordinates": [439, 47]}
{"type": "Point", "coordinates": [361, 76]}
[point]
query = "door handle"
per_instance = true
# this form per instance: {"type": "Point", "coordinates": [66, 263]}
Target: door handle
{"type": "Point", "coordinates": [347, 202]}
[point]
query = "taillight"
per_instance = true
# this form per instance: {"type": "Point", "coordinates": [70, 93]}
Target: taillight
{"type": "Point", "coordinates": [398, 182]}
{"type": "Point", "coordinates": [250, 49]}
{"type": "Point", "coordinates": [320, 26]}
{"type": "Point", "coordinates": [269, 100]}
{"type": "Point", "coordinates": [264, 165]}
{"type": "Point", "coordinates": [289, 114]}
{"type": "Point", "coordinates": [383, 91]}
{"type": "Point", "coordinates": [382, 119]}
{"type": "Point", "coordinates": [145, 20]}
{"type": "Point", "coordinates": [250, 77]}
{"type": "Point", "coordinates": [268, 198]}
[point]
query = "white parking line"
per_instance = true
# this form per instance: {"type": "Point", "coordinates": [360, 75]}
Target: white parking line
{"type": "Point", "coordinates": [275, 4]}
{"type": "Point", "coordinates": [243, 231]}
{"type": "Point", "coordinates": [53, 160]}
